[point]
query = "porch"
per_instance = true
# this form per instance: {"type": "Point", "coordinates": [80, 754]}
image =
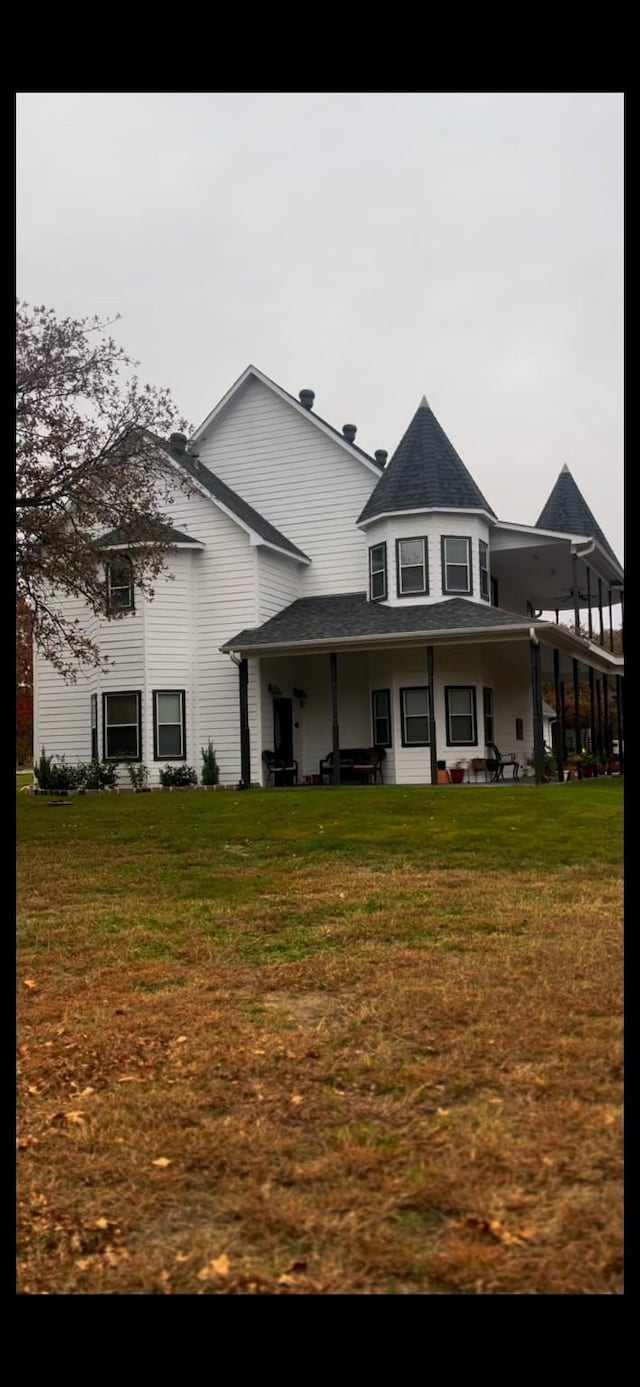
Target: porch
{"type": "Point", "coordinates": [414, 706]}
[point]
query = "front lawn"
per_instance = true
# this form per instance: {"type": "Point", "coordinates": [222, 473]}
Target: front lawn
{"type": "Point", "coordinates": [321, 1041]}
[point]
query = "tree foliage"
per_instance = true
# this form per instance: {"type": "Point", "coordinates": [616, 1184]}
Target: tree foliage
{"type": "Point", "coordinates": [86, 463]}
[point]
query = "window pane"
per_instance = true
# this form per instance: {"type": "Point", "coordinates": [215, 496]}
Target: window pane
{"type": "Point", "coordinates": [416, 729]}
{"type": "Point", "coordinates": [415, 702]}
{"type": "Point", "coordinates": [460, 701]}
{"type": "Point", "coordinates": [457, 550]}
{"type": "Point", "coordinates": [170, 741]}
{"type": "Point", "coordinates": [461, 729]}
{"type": "Point", "coordinates": [121, 708]}
{"type": "Point", "coordinates": [169, 707]}
{"type": "Point", "coordinates": [381, 731]}
{"type": "Point", "coordinates": [457, 577]}
{"type": "Point", "coordinates": [119, 598]}
{"type": "Point", "coordinates": [377, 585]}
{"type": "Point", "coordinates": [411, 551]}
{"type": "Point", "coordinates": [120, 573]}
{"type": "Point", "coordinates": [122, 742]}
{"type": "Point", "coordinates": [377, 558]}
{"type": "Point", "coordinates": [411, 579]}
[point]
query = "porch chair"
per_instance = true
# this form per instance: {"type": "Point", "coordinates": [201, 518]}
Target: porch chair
{"type": "Point", "coordinates": [497, 762]}
{"type": "Point", "coordinates": [370, 764]}
{"type": "Point", "coordinates": [275, 765]}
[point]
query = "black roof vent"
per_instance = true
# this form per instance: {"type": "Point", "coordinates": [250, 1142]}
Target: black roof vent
{"type": "Point", "coordinates": [381, 456]}
{"type": "Point", "coordinates": [178, 442]}
{"type": "Point", "coordinates": [349, 431]}
{"type": "Point", "coordinates": [307, 398]}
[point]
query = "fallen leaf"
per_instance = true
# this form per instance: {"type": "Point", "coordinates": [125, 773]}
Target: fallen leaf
{"type": "Point", "coordinates": [181, 1039]}
{"type": "Point", "coordinates": [128, 1079]}
{"type": "Point", "coordinates": [285, 1280]}
{"type": "Point", "coordinates": [296, 1099]}
{"type": "Point", "coordinates": [102, 1223]}
{"type": "Point", "coordinates": [218, 1267]}
{"type": "Point", "coordinates": [76, 1117]}
{"type": "Point", "coordinates": [28, 982]}
{"type": "Point", "coordinates": [86, 1092]}
{"type": "Point", "coordinates": [443, 1112]}
{"type": "Point", "coordinates": [34, 1089]}
{"type": "Point", "coordinates": [82, 1263]}
{"type": "Point", "coordinates": [162, 1161]}
{"type": "Point", "coordinates": [181, 1257]}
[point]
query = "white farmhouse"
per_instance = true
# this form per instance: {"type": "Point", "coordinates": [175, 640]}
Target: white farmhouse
{"type": "Point", "coordinates": [319, 603]}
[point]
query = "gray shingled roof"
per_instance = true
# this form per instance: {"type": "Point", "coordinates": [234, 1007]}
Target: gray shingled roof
{"type": "Point", "coordinates": [425, 470]}
{"type": "Point", "coordinates": [223, 493]}
{"type": "Point", "coordinates": [120, 536]}
{"type": "Point", "coordinates": [567, 511]}
{"type": "Point", "coordinates": [351, 614]}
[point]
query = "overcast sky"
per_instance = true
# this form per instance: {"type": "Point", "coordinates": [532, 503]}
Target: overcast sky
{"type": "Point", "coordinates": [372, 247]}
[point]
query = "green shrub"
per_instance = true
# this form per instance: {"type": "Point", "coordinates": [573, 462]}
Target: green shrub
{"type": "Point", "coordinates": [210, 768]}
{"type": "Point", "coordinates": [54, 774]}
{"type": "Point", "coordinates": [138, 775]}
{"type": "Point", "coordinates": [179, 776]}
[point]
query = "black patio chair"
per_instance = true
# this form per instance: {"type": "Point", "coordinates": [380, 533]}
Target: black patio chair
{"type": "Point", "coordinates": [496, 763]}
{"type": "Point", "coordinates": [276, 766]}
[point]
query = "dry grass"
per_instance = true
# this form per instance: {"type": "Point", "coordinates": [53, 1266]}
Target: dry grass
{"type": "Point", "coordinates": [364, 1076]}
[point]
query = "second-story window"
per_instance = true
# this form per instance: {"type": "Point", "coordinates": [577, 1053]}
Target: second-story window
{"type": "Point", "coordinates": [456, 564]}
{"type": "Point", "coordinates": [484, 570]}
{"type": "Point", "coordinates": [120, 584]}
{"type": "Point", "coordinates": [377, 572]}
{"type": "Point", "coordinates": [411, 560]}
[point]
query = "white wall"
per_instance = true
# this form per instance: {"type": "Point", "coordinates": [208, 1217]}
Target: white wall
{"type": "Point", "coordinates": [279, 581]}
{"type": "Point", "coordinates": [299, 478]}
{"type": "Point", "coordinates": [433, 525]}
{"type": "Point", "coordinates": [62, 711]}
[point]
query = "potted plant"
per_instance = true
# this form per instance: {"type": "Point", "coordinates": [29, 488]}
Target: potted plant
{"type": "Point", "coordinates": [457, 772]}
{"type": "Point", "coordinates": [442, 774]}
{"type": "Point", "coordinates": [589, 767]}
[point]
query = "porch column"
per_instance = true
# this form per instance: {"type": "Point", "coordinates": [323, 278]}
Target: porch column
{"type": "Point", "coordinates": [576, 706]}
{"type": "Point", "coordinates": [610, 620]}
{"type": "Point", "coordinates": [559, 715]}
{"type": "Point", "coordinates": [620, 720]}
{"type": "Point", "coordinates": [335, 730]}
{"type": "Point", "coordinates": [592, 711]}
{"type": "Point", "coordinates": [600, 611]}
{"type": "Point", "coordinates": [590, 615]}
{"type": "Point", "coordinates": [599, 703]}
{"type": "Point", "coordinates": [605, 710]}
{"type": "Point", "coordinates": [557, 616]}
{"type": "Point", "coordinates": [536, 698]}
{"type": "Point", "coordinates": [433, 752]}
{"type": "Point", "coordinates": [574, 592]}
{"type": "Point", "coordinates": [622, 620]}
{"type": "Point", "coordinates": [245, 741]}
{"type": "Point", "coordinates": [563, 705]}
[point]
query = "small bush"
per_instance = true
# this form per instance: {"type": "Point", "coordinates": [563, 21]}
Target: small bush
{"type": "Point", "coordinates": [138, 775]}
{"type": "Point", "coordinates": [55, 775]}
{"type": "Point", "coordinates": [210, 768]}
{"type": "Point", "coordinates": [96, 775]}
{"type": "Point", "coordinates": [177, 776]}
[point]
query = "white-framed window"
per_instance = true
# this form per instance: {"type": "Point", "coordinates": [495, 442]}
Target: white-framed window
{"type": "Point", "coordinates": [484, 570]}
{"type": "Point", "coordinates": [456, 564]}
{"type": "Point", "coordinates": [381, 717]}
{"type": "Point", "coordinates": [122, 727]}
{"type": "Point", "coordinates": [377, 572]}
{"type": "Point", "coordinates": [169, 727]}
{"type": "Point", "coordinates": [120, 589]}
{"type": "Point", "coordinates": [414, 707]}
{"type": "Point", "coordinates": [412, 566]}
{"type": "Point", "coordinates": [460, 703]}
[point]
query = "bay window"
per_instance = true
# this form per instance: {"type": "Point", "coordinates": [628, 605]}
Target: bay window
{"type": "Point", "coordinates": [121, 724]}
{"type": "Point", "coordinates": [456, 564]}
{"type": "Point", "coordinates": [169, 729]}
{"type": "Point", "coordinates": [412, 566]}
{"type": "Point", "coordinates": [484, 570]}
{"type": "Point", "coordinates": [377, 572]}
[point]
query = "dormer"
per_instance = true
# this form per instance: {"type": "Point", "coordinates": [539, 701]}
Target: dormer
{"type": "Point", "coordinates": [427, 523]}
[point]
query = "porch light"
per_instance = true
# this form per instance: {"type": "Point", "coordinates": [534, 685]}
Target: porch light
{"type": "Point", "coordinates": [274, 690]}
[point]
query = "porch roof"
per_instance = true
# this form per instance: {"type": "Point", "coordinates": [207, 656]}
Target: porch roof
{"type": "Point", "coordinates": [350, 615]}
{"type": "Point", "coordinates": [350, 621]}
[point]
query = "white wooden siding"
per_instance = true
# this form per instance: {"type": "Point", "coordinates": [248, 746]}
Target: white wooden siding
{"type": "Point", "coordinates": [278, 583]}
{"type": "Point", "coordinates": [62, 711]}
{"type": "Point", "coordinates": [299, 479]}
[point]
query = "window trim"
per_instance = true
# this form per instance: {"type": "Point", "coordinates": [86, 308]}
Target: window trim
{"type": "Point", "coordinates": [457, 592]}
{"type": "Point", "coordinates": [413, 539]}
{"type": "Point", "coordinates": [519, 729]}
{"type": "Point", "coordinates": [119, 587]}
{"type": "Point", "coordinates": [457, 688]}
{"type": "Point", "coordinates": [121, 693]}
{"type": "Point", "coordinates": [484, 568]}
{"type": "Point", "coordinates": [183, 723]}
{"type": "Point", "coordinates": [488, 741]}
{"type": "Point", "coordinates": [493, 586]}
{"type": "Point", "coordinates": [374, 740]}
{"type": "Point", "coordinates": [410, 688]}
{"type": "Point", "coordinates": [382, 596]}
{"type": "Point", "coordinates": [95, 742]}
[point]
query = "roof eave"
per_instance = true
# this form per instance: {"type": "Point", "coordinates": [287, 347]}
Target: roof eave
{"type": "Point", "coordinates": [425, 510]}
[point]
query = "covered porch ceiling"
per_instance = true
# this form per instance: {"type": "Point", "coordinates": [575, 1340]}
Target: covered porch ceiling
{"type": "Point", "coordinates": [541, 565]}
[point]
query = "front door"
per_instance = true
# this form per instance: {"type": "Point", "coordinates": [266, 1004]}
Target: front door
{"type": "Point", "coordinates": [283, 738]}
